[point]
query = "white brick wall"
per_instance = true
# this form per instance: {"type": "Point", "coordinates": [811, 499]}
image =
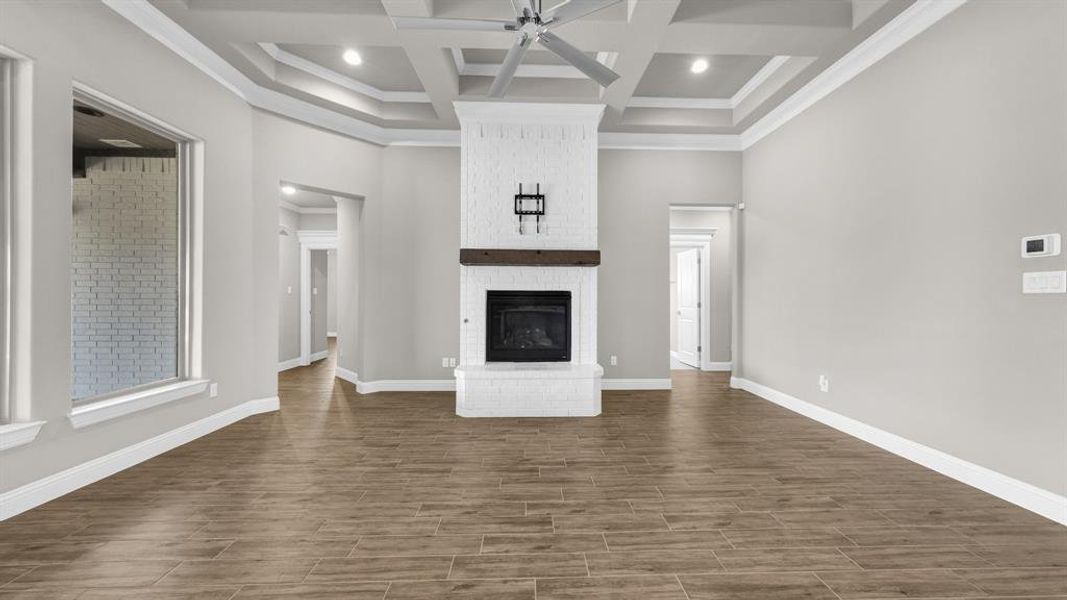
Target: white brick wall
{"type": "Point", "coordinates": [561, 155]}
{"type": "Point", "coordinates": [124, 274]}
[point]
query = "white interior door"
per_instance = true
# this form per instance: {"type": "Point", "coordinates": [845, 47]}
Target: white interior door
{"type": "Point", "coordinates": [689, 307]}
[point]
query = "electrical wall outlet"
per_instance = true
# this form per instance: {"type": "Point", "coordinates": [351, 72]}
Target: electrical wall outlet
{"type": "Point", "coordinates": [213, 390]}
{"type": "Point", "coordinates": [314, 291]}
{"type": "Point", "coordinates": [289, 290]}
{"type": "Point", "coordinates": [824, 383]}
{"type": "Point", "coordinates": [614, 360]}
{"type": "Point", "coordinates": [452, 362]}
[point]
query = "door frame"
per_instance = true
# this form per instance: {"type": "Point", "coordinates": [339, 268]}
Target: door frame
{"type": "Point", "coordinates": [309, 240]}
{"type": "Point", "coordinates": [700, 237]}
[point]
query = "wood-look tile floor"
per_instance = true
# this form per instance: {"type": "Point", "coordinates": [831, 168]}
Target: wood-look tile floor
{"type": "Point", "coordinates": [702, 493]}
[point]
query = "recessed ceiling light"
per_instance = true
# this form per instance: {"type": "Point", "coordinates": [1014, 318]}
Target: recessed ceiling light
{"type": "Point", "coordinates": [352, 57]}
{"type": "Point", "coordinates": [288, 190]}
{"type": "Point", "coordinates": [699, 65]}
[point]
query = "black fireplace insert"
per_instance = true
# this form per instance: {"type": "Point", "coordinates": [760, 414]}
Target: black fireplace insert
{"type": "Point", "coordinates": [528, 326]}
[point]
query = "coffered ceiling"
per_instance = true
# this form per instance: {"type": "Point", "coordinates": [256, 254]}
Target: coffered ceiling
{"type": "Point", "coordinates": [759, 52]}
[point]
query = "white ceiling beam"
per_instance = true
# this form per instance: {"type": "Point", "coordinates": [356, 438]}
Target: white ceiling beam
{"type": "Point", "coordinates": [649, 20]}
{"type": "Point", "coordinates": [432, 65]}
{"type": "Point", "coordinates": [525, 70]}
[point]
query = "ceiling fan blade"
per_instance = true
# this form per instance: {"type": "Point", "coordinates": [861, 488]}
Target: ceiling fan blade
{"type": "Point", "coordinates": [452, 24]}
{"type": "Point", "coordinates": [596, 71]}
{"type": "Point", "coordinates": [570, 10]}
{"type": "Point", "coordinates": [511, 64]}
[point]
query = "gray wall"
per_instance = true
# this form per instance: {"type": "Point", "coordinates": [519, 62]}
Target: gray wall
{"type": "Point", "coordinates": [317, 222]}
{"type": "Point", "coordinates": [288, 286]}
{"type": "Point", "coordinates": [398, 249]}
{"type": "Point", "coordinates": [636, 191]}
{"type": "Point", "coordinates": [413, 318]}
{"type": "Point", "coordinates": [720, 306]}
{"type": "Point", "coordinates": [124, 274]}
{"type": "Point", "coordinates": [288, 151]}
{"type": "Point", "coordinates": [881, 243]}
{"type": "Point", "coordinates": [124, 63]}
{"type": "Point", "coordinates": [319, 292]}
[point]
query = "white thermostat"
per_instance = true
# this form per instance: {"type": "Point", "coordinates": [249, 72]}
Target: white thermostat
{"type": "Point", "coordinates": [1041, 245]}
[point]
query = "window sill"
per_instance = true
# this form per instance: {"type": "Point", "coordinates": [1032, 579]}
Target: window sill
{"type": "Point", "coordinates": [113, 408]}
{"type": "Point", "coordinates": [19, 434]}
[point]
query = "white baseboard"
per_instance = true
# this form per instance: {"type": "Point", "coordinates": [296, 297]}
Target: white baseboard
{"type": "Point", "coordinates": [635, 384]}
{"type": "Point", "coordinates": [319, 355]}
{"type": "Point", "coordinates": [38, 492]}
{"type": "Point", "coordinates": [406, 385]}
{"type": "Point", "coordinates": [349, 376]}
{"type": "Point", "coordinates": [285, 365]}
{"type": "Point", "coordinates": [1032, 498]}
{"type": "Point", "coordinates": [717, 366]}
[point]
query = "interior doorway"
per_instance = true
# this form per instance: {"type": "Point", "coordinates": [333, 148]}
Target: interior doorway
{"type": "Point", "coordinates": [701, 288]}
{"type": "Point", "coordinates": [307, 233]}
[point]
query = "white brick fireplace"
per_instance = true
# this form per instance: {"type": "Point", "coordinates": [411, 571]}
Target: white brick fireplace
{"type": "Point", "coordinates": [503, 145]}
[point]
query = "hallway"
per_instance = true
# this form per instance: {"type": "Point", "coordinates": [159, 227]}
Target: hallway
{"type": "Point", "coordinates": [703, 489]}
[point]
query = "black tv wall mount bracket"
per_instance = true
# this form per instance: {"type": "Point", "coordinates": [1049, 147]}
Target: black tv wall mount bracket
{"type": "Point", "coordinates": [529, 205]}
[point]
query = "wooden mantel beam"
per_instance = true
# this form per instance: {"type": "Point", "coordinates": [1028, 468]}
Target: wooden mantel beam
{"type": "Point", "coordinates": [528, 258]}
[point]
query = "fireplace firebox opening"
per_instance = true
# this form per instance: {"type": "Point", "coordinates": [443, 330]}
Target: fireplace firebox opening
{"type": "Point", "coordinates": [528, 326]}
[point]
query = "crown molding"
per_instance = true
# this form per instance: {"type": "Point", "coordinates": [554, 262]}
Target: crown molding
{"type": "Point", "coordinates": [311, 68]}
{"type": "Point", "coordinates": [730, 103]}
{"type": "Point", "coordinates": [911, 22]}
{"type": "Point", "coordinates": [758, 79]}
{"type": "Point", "coordinates": [688, 103]}
{"type": "Point", "coordinates": [160, 27]}
{"type": "Point", "coordinates": [509, 111]}
{"type": "Point", "coordinates": [614, 140]}
{"type": "Point", "coordinates": [914, 20]}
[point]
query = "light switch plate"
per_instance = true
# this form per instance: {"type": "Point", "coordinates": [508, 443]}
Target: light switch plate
{"type": "Point", "coordinates": [1045, 282]}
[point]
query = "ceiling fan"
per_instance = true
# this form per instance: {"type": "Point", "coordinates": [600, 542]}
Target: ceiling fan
{"type": "Point", "coordinates": [531, 24]}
